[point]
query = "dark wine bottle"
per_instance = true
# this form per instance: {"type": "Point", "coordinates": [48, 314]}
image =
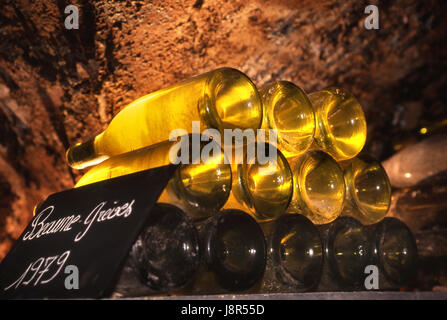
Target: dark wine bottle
{"type": "Point", "coordinates": [395, 253]}
{"type": "Point", "coordinates": [347, 252]}
{"type": "Point", "coordinates": [295, 254]}
{"type": "Point", "coordinates": [165, 256]}
{"type": "Point", "coordinates": [233, 253]}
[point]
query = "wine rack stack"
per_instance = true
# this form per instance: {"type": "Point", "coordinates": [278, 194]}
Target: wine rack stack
{"type": "Point", "coordinates": [310, 218]}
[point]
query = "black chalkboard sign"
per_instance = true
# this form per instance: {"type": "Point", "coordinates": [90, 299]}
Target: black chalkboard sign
{"type": "Point", "coordinates": [76, 243]}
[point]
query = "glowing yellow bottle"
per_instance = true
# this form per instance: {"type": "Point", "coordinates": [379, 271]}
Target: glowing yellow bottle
{"type": "Point", "coordinates": [368, 190]}
{"type": "Point", "coordinates": [220, 99]}
{"type": "Point", "coordinates": [340, 123]}
{"type": "Point", "coordinates": [199, 189]}
{"type": "Point", "coordinates": [288, 110]}
{"type": "Point", "coordinates": [319, 187]}
{"type": "Point", "coordinates": [263, 190]}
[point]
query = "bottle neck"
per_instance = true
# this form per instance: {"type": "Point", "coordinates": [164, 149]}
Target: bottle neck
{"type": "Point", "coordinates": [85, 154]}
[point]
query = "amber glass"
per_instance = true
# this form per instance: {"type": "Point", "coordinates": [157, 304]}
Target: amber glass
{"type": "Point", "coordinates": [288, 110]}
{"type": "Point", "coordinates": [296, 250]}
{"type": "Point", "coordinates": [368, 190]}
{"type": "Point", "coordinates": [221, 99]}
{"type": "Point", "coordinates": [318, 186]}
{"type": "Point", "coordinates": [199, 189]}
{"type": "Point", "coordinates": [234, 249]}
{"type": "Point", "coordinates": [264, 190]}
{"type": "Point", "coordinates": [340, 123]}
{"type": "Point", "coordinates": [348, 251]}
{"type": "Point", "coordinates": [396, 251]}
{"type": "Point", "coordinates": [166, 256]}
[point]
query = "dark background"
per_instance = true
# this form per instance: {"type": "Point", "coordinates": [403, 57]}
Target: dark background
{"type": "Point", "coordinates": [59, 86]}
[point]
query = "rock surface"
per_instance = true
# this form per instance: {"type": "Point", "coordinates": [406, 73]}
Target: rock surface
{"type": "Point", "coordinates": [59, 86]}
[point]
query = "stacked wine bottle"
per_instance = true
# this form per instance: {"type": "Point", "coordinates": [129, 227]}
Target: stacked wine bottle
{"type": "Point", "coordinates": [314, 219]}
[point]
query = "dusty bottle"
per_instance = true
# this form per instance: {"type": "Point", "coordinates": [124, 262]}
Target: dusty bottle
{"type": "Point", "coordinates": [368, 190]}
{"type": "Point", "coordinates": [221, 99]}
{"type": "Point", "coordinates": [347, 250]}
{"type": "Point", "coordinates": [420, 164]}
{"type": "Point", "coordinates": [295, 254]}
{"type": "Point", "coordinates": [319, 187]}
{"type": "Point", "coordinates": [421, 207]}
{"type": "Point", "coordinates": [262, 189]}
{"type": "Point", "coordinates": [340, 123]}
{"type": "Point", "coordinates": [233, 250]}
{"type": "Point", "coordinates": [200, 187]}
{"type": "Point", "coordinates": [165, 256]}
{"type": "Point", "coordinates": [288, 110]}
{"type": "Point", "coordinates": [395, 252]}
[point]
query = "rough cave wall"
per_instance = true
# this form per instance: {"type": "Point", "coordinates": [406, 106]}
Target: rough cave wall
{"type": "Point", "coordinates": [60, 86]}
